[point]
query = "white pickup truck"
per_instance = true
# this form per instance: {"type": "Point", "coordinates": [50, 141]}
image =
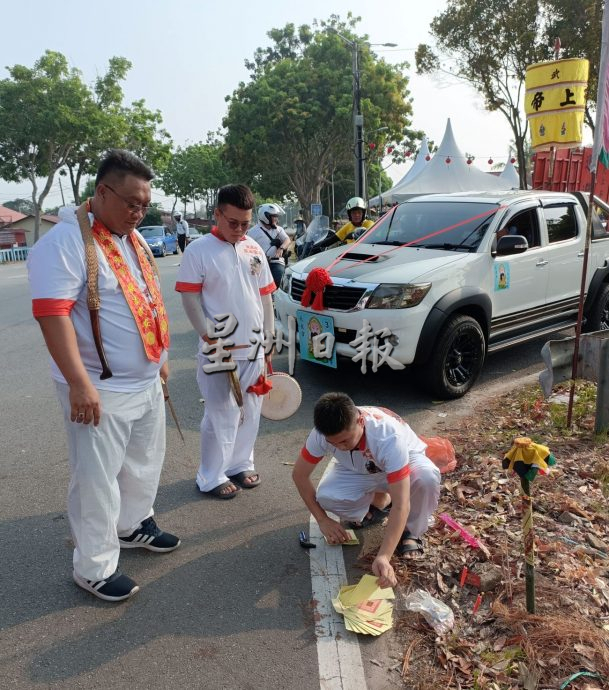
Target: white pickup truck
{"type": "Point", "coordinates": [455, 276]}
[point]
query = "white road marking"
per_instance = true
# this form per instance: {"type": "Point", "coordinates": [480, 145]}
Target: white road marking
{"type": "Point", "coordinates": [338, 652]}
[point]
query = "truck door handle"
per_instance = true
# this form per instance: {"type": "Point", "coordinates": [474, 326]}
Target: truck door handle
{"type": "Point", "coordinates": [541, 262]}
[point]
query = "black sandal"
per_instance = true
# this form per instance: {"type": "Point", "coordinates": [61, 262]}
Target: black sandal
{"type": "Point", "coordinates": [376, 517]}
{"type": "Point", "coordinates": [415, 545]}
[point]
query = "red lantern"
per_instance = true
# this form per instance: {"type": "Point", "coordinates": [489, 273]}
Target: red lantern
{"type": "Point", "coordinates": [407, 153]}
{"type": "Point", "coordinates": [512, 160]}
{"type": "Point", "coordinates": [469, 161]}
{"type": "Point", "coordinates": [372, 145]}
{"type": "Point", "coordinates": [490, 161]}
{"type": "Point", "coordinates": [427, 157]}
{"type": "Point", "coordinates": [390, 149]}
{"type": "Point", "coordinates": [448, 160]}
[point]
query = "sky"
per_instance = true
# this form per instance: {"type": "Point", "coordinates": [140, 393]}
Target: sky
{"type": "Point", "coordinates": [189, 55]}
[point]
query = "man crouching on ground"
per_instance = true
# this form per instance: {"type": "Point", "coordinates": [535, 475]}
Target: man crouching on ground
{"type": "Point", "coordinates": [379, 463]}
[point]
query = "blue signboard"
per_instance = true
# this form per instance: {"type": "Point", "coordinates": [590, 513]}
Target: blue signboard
{"type": "Point", "coordinates": [316, 210]}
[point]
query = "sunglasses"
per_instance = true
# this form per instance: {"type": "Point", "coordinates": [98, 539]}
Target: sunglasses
{"type": "Point", "coordinates": [235, 224]}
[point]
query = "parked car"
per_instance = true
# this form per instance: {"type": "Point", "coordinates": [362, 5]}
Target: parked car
{"type": "Point", "coordinates": [160, 240]}
{"type": "Point", "coordinates": [445, 279]}
{"type": "Point", "coordinates": [195, 235]}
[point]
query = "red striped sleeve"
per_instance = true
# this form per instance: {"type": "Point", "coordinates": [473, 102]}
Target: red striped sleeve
{"type": "Point", "coordinates": [188, 287]}
{"type": "Point", "coordinates": [398, 475]}
{"type": "Point", "coordinates": [47, 306]}
{"type": "Point", "coordinates": [310, 458]}
{"type": "Point", "coordinates": [271, 287]}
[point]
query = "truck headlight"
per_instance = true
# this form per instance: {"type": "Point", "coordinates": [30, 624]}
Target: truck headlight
{"type": "Point", "coordinates": [284, 286]}
{"type": "Point", "coordinates": [398, 296]}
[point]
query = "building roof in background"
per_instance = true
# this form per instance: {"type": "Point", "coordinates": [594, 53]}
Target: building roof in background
{"type": "Point", "coordinates": [7, 215]}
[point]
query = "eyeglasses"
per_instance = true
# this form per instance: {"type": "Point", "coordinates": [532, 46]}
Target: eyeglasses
{"type": "Point", "coordinates": [235, 224]}
{"type": "Point", "coordinates": [132, 208]}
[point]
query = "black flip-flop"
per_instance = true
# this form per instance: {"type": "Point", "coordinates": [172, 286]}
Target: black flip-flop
{"type": "Point", "coordinates": [216, 492]}
{"type": "Point", "coordinates": [240, 477]}
{"type": "Point", "coordinates": [376, 516]}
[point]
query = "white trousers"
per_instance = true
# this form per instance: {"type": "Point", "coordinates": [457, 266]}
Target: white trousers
{"type": "Point", "coordinates": [349, 494]}
{"type": "Point", "coordinates": [115, 469]}
{"type": "Point", "coordinates": [227, 443]}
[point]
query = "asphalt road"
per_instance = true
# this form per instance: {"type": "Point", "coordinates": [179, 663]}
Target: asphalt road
{"type": "Point", "coordinates": [231, 607]}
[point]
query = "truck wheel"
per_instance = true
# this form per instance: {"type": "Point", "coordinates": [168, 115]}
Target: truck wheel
{"type": "Point", "coordinates": [599, 316]}
{"type": "Point", "coordinates": [457, 357]}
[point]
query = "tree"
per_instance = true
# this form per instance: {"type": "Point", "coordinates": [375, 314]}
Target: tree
{"type": "Point", "coordinates": [291, 125]}
{"type": "Point", "coordinates": [578, 25]}
{"type": "Point", "coordinates": [492, 43]}
{"type": "Point", "coordinates": [43, 112]}
{"type": "Point", "coordinates": [22, 205]}
{"type": "Point", "coordinates": [113, 125]}
{"type": "Point", "coordinates": [196, 172]}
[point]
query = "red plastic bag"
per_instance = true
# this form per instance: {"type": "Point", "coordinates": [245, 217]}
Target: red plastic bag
{"type": "Point", "coordinates": [441, 452]}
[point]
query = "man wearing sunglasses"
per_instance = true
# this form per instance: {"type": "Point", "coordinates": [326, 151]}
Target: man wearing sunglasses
{"type": "Point", "coordinates": [224, 278]}
{"type": "Point", "coordinates": [107, 363]}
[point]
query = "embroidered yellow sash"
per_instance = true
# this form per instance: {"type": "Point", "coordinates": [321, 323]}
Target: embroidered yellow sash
{"type": "Point", "coordinates": [150, 315]}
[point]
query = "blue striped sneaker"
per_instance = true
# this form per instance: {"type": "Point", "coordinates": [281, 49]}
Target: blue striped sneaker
{"type": "Point", "coordinates": [116, 587]}
{"type": "Point", "coordinates": [149, 536]}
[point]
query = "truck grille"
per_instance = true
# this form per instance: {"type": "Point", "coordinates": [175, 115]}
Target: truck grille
{"type": "Point", "coordinates": [338, 297]}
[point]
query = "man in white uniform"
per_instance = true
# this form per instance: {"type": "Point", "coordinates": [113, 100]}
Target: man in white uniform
{"type": "Point", "coordinates": [378, 462]}
{"type": "Point", "coordinates": [115, 426]}
{"type": "Point", "coordinates": [182, 230]}
{"type": "Point", "coordinates": [272, 238]}
{"type": "Point", "coordinates": [226, 285]}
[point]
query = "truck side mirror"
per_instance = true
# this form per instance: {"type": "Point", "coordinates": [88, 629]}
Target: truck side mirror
{"type": "Point", "coordinates": [510, 244]}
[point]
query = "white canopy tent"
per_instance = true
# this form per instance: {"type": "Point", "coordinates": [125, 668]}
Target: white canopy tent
{"type": "Point", "coordinates": [448, 171]}
{"type": "Point", "coordinates": [510, 175]}
{"type": "Point", "coordinates": [421, 160]}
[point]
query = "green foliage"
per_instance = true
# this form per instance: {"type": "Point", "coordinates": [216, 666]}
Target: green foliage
{"type": "Point", "coordinates": [43, 112]}
{"type": "Point", "coordinates": [21, 205]}
{"type": "Point", "coordinates": [113, 125]}
{"type": "Point", "coordinates": [578, 24]}
{"type": "Point", "coordinates": [153, 217]}
{"type": "Point", "coordinates": [492, 43]}
{"type": "Point", "coordinates": [291, 125]}
{"type": "Point", "coordinates": [196, 172]}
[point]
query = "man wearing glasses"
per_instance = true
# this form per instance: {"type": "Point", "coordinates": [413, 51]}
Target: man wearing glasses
{"type": "Point", "coordinates": [107, 365]}
{"type": "Point", "coordinates": [226, 288]}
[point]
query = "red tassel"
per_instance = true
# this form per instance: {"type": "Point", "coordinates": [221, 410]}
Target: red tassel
{"type": "Point", "coordinates": [316, 282]}
{"type": "Point", "coordinates": [261, 387]}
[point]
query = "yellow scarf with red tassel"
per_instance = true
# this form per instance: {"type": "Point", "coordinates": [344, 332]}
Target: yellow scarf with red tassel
{"type": "Point", "coordinates": [150, 315]}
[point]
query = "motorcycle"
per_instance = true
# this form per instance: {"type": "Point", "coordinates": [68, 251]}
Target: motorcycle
{"type": "Point", "coordinates": [317, 238]}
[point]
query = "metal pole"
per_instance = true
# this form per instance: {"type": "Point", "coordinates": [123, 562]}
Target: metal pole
{"type": "Point", "coordinates": [333, 212]}
{"type": "Point", "coordinates": [529, 543]}
{"type": "Point", "coordinates": [358, 122]}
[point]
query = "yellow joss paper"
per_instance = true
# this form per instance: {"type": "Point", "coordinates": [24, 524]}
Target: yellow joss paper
{"type": "Point", "coordinates": [352, 541]}
{"type": "Point", "coordinates": [367, 588]}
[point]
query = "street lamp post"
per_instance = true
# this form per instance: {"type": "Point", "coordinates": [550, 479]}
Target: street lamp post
{"type": "Point", "coordinates": [358, 118]}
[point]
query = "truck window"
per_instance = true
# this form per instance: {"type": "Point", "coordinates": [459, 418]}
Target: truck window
{"type": "Point", "coordinates": [561, 222]}
{"type": "Point", "coordinates": [525, 224]}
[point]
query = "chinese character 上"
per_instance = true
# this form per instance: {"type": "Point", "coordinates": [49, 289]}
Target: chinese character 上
{"type": "Point", "coordinates": [568, 98]}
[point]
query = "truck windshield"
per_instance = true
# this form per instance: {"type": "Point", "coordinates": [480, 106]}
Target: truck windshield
{"type": "Point", "coordinates": [449, 225]}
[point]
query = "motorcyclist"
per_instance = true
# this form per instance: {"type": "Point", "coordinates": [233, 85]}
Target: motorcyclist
{"type": "Point", "coordinates": [272, 238]}
{"type": "Point", "coordinates": [356, 211]}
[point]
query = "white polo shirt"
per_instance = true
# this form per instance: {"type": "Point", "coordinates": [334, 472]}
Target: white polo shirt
{"type": "Point", "coordinates": [385, 446]}
{"type": "Point", "coordinates": [58, 275]}
{"type": "Point", "coordinates": [231, 279]}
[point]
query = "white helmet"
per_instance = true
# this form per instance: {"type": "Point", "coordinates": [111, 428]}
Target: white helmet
{"type": "Point", "coordinates": [266, 211]}
{"type": "Point", "coordinates": [356, 202]}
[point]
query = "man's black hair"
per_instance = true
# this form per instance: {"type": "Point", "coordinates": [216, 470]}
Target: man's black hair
{"type": "Point", "coordinates": [238, 195]}
{"type": "Point", "coordinates": [121, 163]}
{"type": "Point", "coordinates": [334, 413]}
